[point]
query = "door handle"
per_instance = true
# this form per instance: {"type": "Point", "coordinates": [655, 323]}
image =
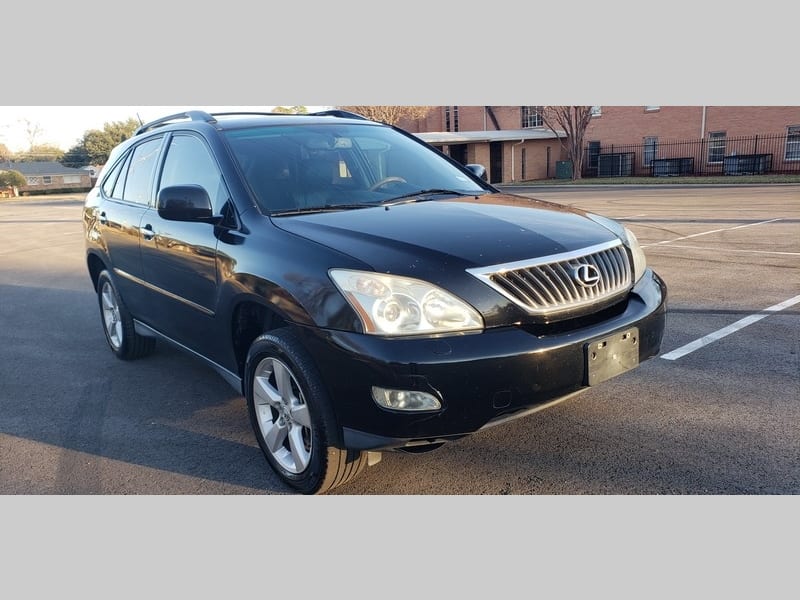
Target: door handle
{"type": "Point", "coordinates": [147, 232]}
{"type": "Point", "coordinates": [103, 218]}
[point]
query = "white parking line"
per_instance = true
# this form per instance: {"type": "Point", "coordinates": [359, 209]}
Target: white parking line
{"type": "Point", "coordinates": [694, 235]}
{"type": "Point", "coordinates": [727, 250]}
{"type": "Point", "coordinates": [721, 333]}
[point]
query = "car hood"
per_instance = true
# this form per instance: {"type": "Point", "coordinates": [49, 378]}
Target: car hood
{"type": "Point", "coordinates": [459, 233]}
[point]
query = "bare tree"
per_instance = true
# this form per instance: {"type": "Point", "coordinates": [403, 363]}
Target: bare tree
{"type": "Point", "coordinates": [389, 114]}
{"type": "Point", "coordinates": [573, 121]}
{"type": "Point", "coordinates": [32, 130]}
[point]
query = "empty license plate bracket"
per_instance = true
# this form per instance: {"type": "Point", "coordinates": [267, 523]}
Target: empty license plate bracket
{"type": "Point", "coordinates": [611, 355]}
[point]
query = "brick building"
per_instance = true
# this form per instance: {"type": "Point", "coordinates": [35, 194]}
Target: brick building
{"type": "Point", "coordinates": [652, 139]}
{"type": "Point", "coordinates": [510, 141]}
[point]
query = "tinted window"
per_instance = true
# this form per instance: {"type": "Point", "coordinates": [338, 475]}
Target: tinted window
{"type": "Point", "coordinates": [140, 172]}
{"type": "Point", "coordinates": [110, 182]}
{"type": "Point", "coordinates": [189, 161]}
{"type": "Point", "coordinates": [319, 165]}
{"type": "Point", "coordinates": [119, 186]}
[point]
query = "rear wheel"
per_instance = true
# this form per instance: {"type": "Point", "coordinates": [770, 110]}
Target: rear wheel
{"type": "Point", "coordinates": [118, 326]}
{"type": "Point", "coordinates": [292, 416]}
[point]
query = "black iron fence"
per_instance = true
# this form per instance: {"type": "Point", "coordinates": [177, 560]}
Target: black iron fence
{"type": "Point", "coordinates": [749, 155]}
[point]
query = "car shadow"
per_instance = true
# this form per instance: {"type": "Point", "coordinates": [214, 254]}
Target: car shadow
{"type": "Point", "coordinates": [61, 386]}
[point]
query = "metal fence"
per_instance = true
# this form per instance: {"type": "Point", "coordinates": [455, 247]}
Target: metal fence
{"type": "Point", "coordinates": [749, 155]}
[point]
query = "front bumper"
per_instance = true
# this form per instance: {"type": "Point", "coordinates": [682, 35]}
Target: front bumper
{"type": "Point", "coordinates": [480, 378]}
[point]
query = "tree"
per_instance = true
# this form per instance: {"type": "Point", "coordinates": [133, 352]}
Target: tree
{"type": "Point", "coordinates": [76, 157]}
{"type": "Point", "coordinates": [97, 144]}
{"type": "Point", "coordinates": [40, 152]}
{"type": "Point", "coordinates": [5, 153]}
{"type": "Point", "coordinates": [32, 130]}
{"type": "Point", "coordinates": [389, 114]}
{"type": "Point", "coordinates": [573, 121]}
{"type": "Point", "coordinates": [12, 178]}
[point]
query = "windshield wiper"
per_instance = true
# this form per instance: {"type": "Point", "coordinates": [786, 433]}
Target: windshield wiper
{"type": "Point", "coordinates": [316, 209]}
{"type": "Point", "coordinates": [423, 196]}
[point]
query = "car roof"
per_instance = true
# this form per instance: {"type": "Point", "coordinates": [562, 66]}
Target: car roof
{"type": "Point", "coordinates": [225, 120]}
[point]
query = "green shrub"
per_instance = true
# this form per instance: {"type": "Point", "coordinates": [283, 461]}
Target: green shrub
{"type": "Point", "coordinates": [12, 178]}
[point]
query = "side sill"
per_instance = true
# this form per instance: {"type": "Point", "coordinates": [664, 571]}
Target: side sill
{"type": "Point", "coordinates": [233, 380]}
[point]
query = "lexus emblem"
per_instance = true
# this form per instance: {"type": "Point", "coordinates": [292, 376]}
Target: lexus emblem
{"type": "Point", "coordinates": [586, 275]}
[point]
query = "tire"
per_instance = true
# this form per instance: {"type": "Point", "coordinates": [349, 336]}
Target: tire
{"type": "Point", "coordinates": [117, 322]}
{"type": "Point", "coordinates": [292, 417]}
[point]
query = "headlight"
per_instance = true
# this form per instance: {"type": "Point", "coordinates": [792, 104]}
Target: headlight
{"type": "Point", "coordinates": [639, 259]}
{"type": "Point", "coordinates": [629, 239]}
{"type": "Point", "coordinates": [394, 306]}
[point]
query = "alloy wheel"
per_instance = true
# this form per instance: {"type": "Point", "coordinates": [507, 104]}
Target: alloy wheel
{"type": "Point", "coordinates": [282, 415]}
{"type": "Point", "coordinates": [111, 316]}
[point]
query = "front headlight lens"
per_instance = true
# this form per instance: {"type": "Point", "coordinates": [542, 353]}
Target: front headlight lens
{"type": "Point", "coordinates": [394, 305]}
{"type": "Point", "coordinates": [629, 239]}
{"type": "Point", "coordinates": [639, 259]}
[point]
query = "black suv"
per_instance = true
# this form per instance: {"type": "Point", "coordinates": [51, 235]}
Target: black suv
{"type": "Point", "coordinates": [361, 289]}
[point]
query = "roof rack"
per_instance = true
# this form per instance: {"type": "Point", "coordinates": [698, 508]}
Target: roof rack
{"type": "Point", "coordinates": [248, 113]}
{"type": "Point", "coordinates": [199, 115]}
{"type": "Point", "coordinates": [194, 115]}
{"type": "Point", "coordinates": [334, 112]}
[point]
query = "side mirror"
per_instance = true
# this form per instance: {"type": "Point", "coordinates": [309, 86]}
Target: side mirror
{"type": "Point", "coordinates": [479, 171]}
{"type": "Point", "coordinates": [185, 203]}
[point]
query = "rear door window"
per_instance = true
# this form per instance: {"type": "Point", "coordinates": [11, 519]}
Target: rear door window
{"type": "Point", "coordinates": [139, 177]}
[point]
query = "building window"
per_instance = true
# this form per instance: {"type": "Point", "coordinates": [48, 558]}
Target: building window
{"type": "Point", "coordinates": [650, 150]}
{"type": "Point", "coordinates": [531, 116]}
{"type": "Point", "coordinates": [451, 118]}
{"type": "Point", "coordinates": [47, 179]}
{"type": "Point", "coordinates": [716, 146]}
{"type": "Point", "coordinates": [793, 143]}
{"type": "Point", "coordinates": [597, 111]}
{"type": "Point", "coordinates": [652, 108]}
{"type": "Point", "coordinates": [72, 178]}
{"type": "Point", "coordinates": [593, 153]}
{"type": "Point", "coordinates": [33, 180]}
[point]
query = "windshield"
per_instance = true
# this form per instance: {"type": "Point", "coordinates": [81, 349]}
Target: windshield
{"type": "Point", "coordinates": [299, 168]}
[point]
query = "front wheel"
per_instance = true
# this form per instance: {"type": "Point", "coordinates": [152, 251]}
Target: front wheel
{"type": "Point", "coordinates": [292, 417]}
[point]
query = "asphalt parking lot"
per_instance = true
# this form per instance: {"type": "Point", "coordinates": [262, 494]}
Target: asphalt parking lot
{"type": "Point", "coordinates": [716, 413]}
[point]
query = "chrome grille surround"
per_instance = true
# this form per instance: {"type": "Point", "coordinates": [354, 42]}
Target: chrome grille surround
{"type": "Point", "coordinates": [551, 284]}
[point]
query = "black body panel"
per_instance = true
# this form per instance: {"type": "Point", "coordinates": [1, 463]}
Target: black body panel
{"type": "Point", "coordinates": [213, 285]}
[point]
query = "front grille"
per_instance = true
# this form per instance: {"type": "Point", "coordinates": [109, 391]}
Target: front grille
{"type": "Point", "coordinates": [563, 282]}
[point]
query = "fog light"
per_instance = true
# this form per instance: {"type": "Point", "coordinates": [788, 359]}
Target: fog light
{"type": "Point", "coordinates": [405, 399]}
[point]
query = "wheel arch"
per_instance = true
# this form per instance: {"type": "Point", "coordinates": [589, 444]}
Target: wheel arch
{"type": "Point", "coordinates": [96, 265]}
{"type": "Point", "coordinates": [251, 317]}
{"type": "Point", "coordinates": [256, 305]}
